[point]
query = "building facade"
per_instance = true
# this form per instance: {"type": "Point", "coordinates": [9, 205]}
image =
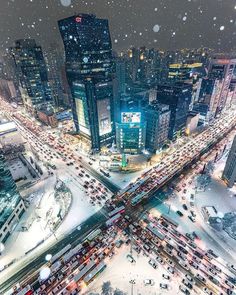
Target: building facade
{"type": "Point", "coordinates": [11, 204]}
{"type": "Point", "coordinates": [131, 133]}
{"type": "Point", "coordinates": [32, 74]}
{"type": "Point", "coordinates": [222, 68]}
{"type": "Point", "coordinates": [178, 97]}
{"type": "Point", "coordinates": [229, 173]}
{"type": "Point", "coordinates": [157, 117]}
{"type": "Point", "coordinates": [89, 70]}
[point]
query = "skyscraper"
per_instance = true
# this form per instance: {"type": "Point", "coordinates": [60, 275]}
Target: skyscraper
{"type": "Point", "coordinates": [89, 69]}
{"type": "Point", "coordinates": [55, 62]}
{"type": "Point", "coordinates": [11, 204]}
{"type": "Point", "coordinates": [157, 117]}
{"type": "Point", "coordinates": [178, 97]}
{"type": "Point", "coordinates": [32, 74]}
{"type": "Point", "coordinates": [229, 173]}
{"type": "Point", "coordinates": [222, 68]}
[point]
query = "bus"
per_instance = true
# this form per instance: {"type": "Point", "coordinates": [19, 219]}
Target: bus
{"type": "Point", "coordinates": [117, 210]}
{"type": "Point", "coordinates": [169, 220]}
{"type": "Point", "coordinates": [113, 219]}
{"type": "Point", "coordinates": [155, 232]}
{"type": "Point", "coordinates": [60, 253]}
{"type": "Point", "coordinates": [94, 234]}
{"type": "Point", "coordinates": [84, 270]}
{"type": "Point", "coordinates": [94, 273]}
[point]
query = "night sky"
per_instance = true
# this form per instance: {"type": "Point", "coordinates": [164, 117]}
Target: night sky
{"type": "Point", "coordinates": [164, 24]}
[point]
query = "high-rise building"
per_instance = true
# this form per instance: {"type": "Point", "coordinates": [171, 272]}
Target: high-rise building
{"type": "Point", "coordinates": [178, 98]}
{"type": "Point", "coordinates": [208, 93]}
{"type": "Point", "coordinates": [222, 68]}
{"type": "Point", "coordinates": [55, 62]}
{"type": "Point", "coordinates": [119, 86]}
{"type": "Point", "coordinates": [11, 204]}
{"type": "Point", "coordinates": [32, 73]}
{"type": "Point", "coordinates": [229, 173]}
{"type": "Point", "coordinates": [157, 117]}
{"type": "Point", "coordinates": [89, 70]}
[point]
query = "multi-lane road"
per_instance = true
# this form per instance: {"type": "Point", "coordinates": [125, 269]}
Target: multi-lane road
{"type": "Point", "coordinates": [173, 164]}
{"type": "Point", "coordinates": [151, 181]}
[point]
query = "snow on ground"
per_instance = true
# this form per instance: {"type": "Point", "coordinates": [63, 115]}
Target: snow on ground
{"type": "Point", "coordinates": [120, 272]}
{"type": "Point", "coordinates": [217, 195]}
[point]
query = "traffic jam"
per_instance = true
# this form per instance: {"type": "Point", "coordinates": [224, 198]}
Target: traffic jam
{"type": "Point", "coordinates": [172, 164]}
{"type": "Point", "coordinates": [72, 269]}
{"type": "Point", "coordinates": [47, 147]}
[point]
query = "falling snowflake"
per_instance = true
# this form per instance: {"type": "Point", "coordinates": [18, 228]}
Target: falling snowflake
{"type": "Point", "coordinates": [156, 28]}
{"type": "Point", "coordinates": [65, 3]}
{"type": "Point", "coordinates": [44, 273]}
{"type": "Point", "coordinates": [222, 28]}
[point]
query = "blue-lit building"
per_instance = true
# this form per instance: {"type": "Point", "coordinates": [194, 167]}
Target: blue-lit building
{"type": "Point", "coordinates": [32, 74]}
{"type": "Point", "coordinates": [89, 70]}
{"type": "Point", "coordinates": [178, 97]}
{"type": "Point", "coordinates": [131, 133]}
{"type": "Point", "coordinates": [11, 204]}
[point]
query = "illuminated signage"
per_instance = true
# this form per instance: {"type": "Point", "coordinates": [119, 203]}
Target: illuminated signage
{"type": "Point", "coordinates": [130, 117]}
{"type": "Point", "coordinates": [78, 19]}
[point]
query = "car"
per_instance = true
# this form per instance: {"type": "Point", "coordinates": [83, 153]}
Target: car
{"type": "Point", "coordinates": [195, 235]}
{"type": "Point", "coordinates": [190, 236]}
{"type": "Point", "coordinates": [189, 278]}
{"type": "Point", "coordinates": [170, 262]}
{"type": "Point", "coordinates": [187, 284]}
{"type": "Point", "coordinates": [148, 282]}
{"type": "Point", "coordinates": [183, 264]}
{"type": "Point", "coordinates": [207, 291]}
{"type": "Point", "coordinates": [232, 267]}
{"type": "Point", "coordinates": [180, 213]}
{"type": "Point", "coordinates": [193, 219]}
{"type": "Point", "coordinates": [185, 207]}
{"type": "Point", "coordinates": [184, 290]}
{"type": "Point", "coordinates": [170, 270]}
{"type": "Point", "coordinates": [160, 260]}
{"type": "Point", "coordinates": [200, 278]}
{"type": "Point", "coordinates": [230, 284]}
{"type": "Point", "coordinates": [193, 213]}
{"type": "Point", "coordinates": [164, 286]}
{"type": "Point", "coordinates": [167, 277]}
{"type": "Point", "coordinates": [194, 264]}
{"type": "Point", "coordinates": [152, 263]}
{"type": "Point", "coordinates": [212, 253]}
{"type": "Point", "coordinates": [130, 258]}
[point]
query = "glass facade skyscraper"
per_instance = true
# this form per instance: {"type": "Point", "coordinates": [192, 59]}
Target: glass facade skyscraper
{"type": "Point", "coordinates": [178, 97]}
{"type": "Point", "coordinates": [89, 69]}
{"type": "Point", "coordinates": [32, 73]}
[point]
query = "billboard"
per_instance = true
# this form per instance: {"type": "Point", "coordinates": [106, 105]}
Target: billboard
{"type": "Point", "coordinates": [104, 116]}
{"type": "Point", "coordinates": [130, 117]}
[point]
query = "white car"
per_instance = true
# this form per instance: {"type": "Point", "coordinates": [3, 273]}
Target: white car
{"type": "Point", "coordinates": [148, 282]}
